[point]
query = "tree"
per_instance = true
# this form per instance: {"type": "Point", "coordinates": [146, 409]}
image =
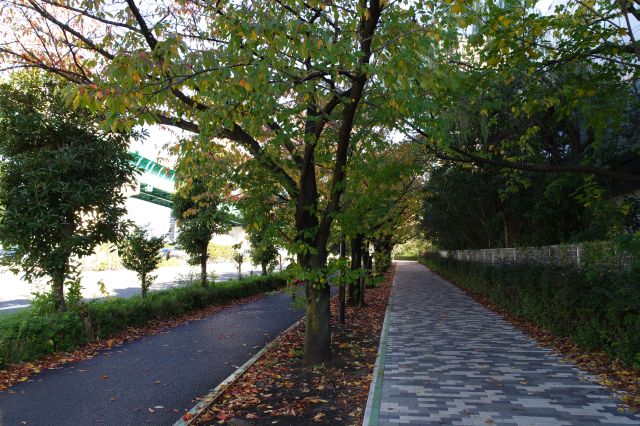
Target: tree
{"type": "Point", "coordinates": [200, 214]}
{"type": "Point", "coordinates": [470, 207]}
{"type": "Point", "coordinates": [381, 206]}
{"type": "Point", "coordinates": [286, 82]}
{"type": "Point", "coordinates": [140, 253]}
{"type": "Point", "coordinates": [60, 192]}
{"type": "Point", "coordinates": [238, 258]}
{"type": "Point", "coordinates": [263, 251]}
{"type": "Point", "coordinates": [542, 93]}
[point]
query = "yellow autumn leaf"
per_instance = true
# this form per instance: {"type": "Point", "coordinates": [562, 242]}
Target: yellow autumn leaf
{"type": "Point", "coordinates": [504, 20]}
{"type": "Point", "coordinates": [245, 84]}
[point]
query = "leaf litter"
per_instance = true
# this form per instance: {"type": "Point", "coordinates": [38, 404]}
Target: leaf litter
{"type": "Point", "coordinates": [280, 389]}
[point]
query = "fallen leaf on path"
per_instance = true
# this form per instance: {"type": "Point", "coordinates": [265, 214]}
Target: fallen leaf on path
{"type": "Point", "coordinates": [280, 385]}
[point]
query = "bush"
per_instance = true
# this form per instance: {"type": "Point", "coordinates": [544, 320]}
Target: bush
{"type": "Point", "coordinates": [597, 309]}
{"type": "Point", "coordinates": [29, 334]}
{"type": "Point", "coordinates": [221, 253]}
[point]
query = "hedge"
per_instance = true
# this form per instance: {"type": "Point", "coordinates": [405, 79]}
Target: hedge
{"type": "Point", "coordinates": [597, 309]}
{"type": "Point", "coordinates": [26, 335]}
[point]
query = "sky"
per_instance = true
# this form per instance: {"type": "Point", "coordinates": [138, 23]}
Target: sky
{"type": "Point", "coordinates": [154, 146]}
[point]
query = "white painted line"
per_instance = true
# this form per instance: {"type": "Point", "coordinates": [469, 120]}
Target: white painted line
{"type": "Point", "coordinates": [218, 390]}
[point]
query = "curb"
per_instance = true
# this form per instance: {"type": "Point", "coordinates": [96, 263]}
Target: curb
{"type": "Point", "coordinates": [372, 410]}
{"type": "Point", "coordinates": [211, 397]}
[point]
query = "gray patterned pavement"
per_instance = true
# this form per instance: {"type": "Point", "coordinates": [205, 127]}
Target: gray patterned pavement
{"type": "Point", "coordinates": [448, 360]}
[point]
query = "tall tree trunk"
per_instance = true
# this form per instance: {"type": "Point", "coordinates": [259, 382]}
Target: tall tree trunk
{"type": "Point", "coordinates": [311, 231]}
{"type": "Point", "coordinates": [263, 265]}
{"type": "Point", "coordinates": [58, 289]}
{"type": "Point", "coordinates": [356, 263]}
{"type": "Point", "coordinates": [342, 290]}
{"type": "Point", "coordinates": [203, 268]}
{"type": "Point", "coordinates": [60, 274]}
{"type": "Point", "coordinates": [366, 264]}
{"type": "Point", "coordinates": [143, 278]}
{"type": "Point", "coordinates": [361, 280]}
{"type": "Point", "coordinates": [367, 261]}
{"type": "Point", "coordinates": [317, 342]}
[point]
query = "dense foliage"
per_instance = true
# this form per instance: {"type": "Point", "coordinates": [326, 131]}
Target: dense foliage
{"type": "Point", "coordinates": [469, 207]}
{"type": "Point", "coordinates": [29, 334]}
{"type": "Point", "coordinates": [60, 192]}
{"type": "Point", "coordinates": [598, 309]}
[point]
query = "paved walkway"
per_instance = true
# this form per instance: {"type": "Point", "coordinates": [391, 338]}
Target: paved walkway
{"type": "Point", "coordinates": [449, 360]}
{"type": "Point", "coordinates": [144, 381]}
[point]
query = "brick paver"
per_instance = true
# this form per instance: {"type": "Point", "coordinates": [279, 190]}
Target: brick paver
{"type": "Point", "coordinates": [449, 360]}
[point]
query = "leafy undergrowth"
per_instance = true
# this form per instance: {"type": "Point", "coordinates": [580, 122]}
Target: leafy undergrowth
{"type": "Point", "coordinates": [279, 389]}
{"type": "Point", "coordinates": [16, 373]}
{"type": "Point", "coordinates": [610, 372]}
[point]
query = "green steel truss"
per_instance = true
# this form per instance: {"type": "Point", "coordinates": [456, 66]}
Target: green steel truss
{"type": "Point", "coordinates": [148, 192]}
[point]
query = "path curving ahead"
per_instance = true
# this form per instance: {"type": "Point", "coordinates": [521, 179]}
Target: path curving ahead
{"type": "Point", "coordinates": [448, 360]}
{"type": "Point", "coordinates": [144, 381]}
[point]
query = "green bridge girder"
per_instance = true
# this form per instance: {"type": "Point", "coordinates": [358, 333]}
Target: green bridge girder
{"type": "Point", "coordinates": [149, 192]}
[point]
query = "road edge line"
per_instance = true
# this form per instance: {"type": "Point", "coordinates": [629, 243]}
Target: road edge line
{"type": "Point", "coordinates": [212, 396]}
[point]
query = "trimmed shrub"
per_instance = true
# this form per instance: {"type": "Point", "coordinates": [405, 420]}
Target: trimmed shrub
{"type": "Point", "coordinates": [28, 334]}
{"type": "Point", "coordinates": [597, 309]}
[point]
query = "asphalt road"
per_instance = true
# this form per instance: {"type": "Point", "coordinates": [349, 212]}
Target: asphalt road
{"type": "Point", "coordinates": [142, 382]}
